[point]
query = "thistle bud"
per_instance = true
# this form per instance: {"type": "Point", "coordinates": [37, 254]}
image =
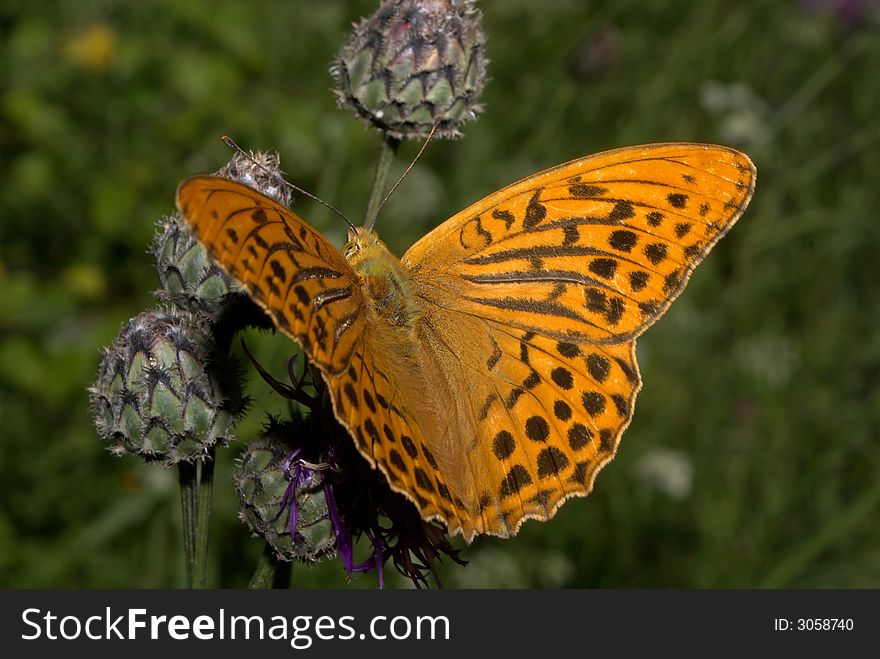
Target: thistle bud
{"type": "Point", "coordinates": [283, 499]}
{"type": "Point", "coordinates": [162, 394]}
{"type": "Point", "coordinates": [414, 64]}
{"type": "Point", "coordinates": [188, 277]}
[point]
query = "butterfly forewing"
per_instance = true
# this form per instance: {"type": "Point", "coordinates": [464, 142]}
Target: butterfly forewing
{"type": "Point", "coordinates": [288, 268]}
{"type": "Point", "coordinates": [592, 250]}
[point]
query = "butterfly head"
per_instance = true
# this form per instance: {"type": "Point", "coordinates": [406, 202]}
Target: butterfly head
{"type": "Point", "coordinates": [363, 245]}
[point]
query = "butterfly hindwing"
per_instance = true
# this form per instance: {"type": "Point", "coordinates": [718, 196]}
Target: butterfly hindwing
{"type": "Point", "coordinates": [552, 417]}
{"type": "Point", "coordinates": [288, 268]}
{"type": "Point", "coordinates": [391, 434]}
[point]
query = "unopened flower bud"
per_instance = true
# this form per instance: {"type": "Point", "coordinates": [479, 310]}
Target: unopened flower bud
{"type": "Point", "coordinates": [283, 499]}
{"type": "Point", "coordinates": [414, 64]}
{"type": "Point", "coordinates": [162, 393]}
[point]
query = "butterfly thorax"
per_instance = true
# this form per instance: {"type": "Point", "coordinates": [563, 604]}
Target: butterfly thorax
{"type": "Point", "coordinates": [382, 277]}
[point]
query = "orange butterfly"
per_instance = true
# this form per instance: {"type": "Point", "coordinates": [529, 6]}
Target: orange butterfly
{"type": "Point", "coordinates": [491, 371]}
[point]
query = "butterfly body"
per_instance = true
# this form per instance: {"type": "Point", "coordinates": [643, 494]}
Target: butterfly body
{"type": "Point", "coordinates": [382, 278]}
{"type": "Point", "coordinates": [490, 372]}
{"type": "Point", "coordinates": [403, 343]}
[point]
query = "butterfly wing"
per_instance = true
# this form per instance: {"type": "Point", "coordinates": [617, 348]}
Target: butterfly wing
{"type": "Point", "coordinates": [598, 246]}
{"type": "Point", "coordinates": [289, 269]}
{"type": "Point", "coordinates": [552, 279]}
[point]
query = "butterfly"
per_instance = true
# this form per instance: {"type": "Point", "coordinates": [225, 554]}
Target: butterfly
{"type": "Point", "coordinates": [490, 372]}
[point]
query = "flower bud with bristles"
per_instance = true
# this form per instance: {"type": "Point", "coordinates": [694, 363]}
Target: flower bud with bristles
{"type": "Point", "coordinates": [188, 277]}
{"type": "Point", "coordinates": [162, 393]}
{"type": "Point", "coordinates": [283, 499]}
{"type": "Point", "coordinates": [412, 65]}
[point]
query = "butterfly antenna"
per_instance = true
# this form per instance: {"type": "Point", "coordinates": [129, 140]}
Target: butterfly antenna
{"type": "Point", "coordinates": [372, 222]}
{"type": "Point", "coordinates": [228, 141]}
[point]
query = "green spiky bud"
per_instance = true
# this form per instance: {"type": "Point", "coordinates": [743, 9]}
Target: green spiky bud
{"type": "Point", "coordinates": [188, 277]}
{"type": "Point", "coordinates": [412, 64]}
{"type": "Point", "coordinates": [269, 493]}
{"type": "Point", "coordinates": [162, 393]}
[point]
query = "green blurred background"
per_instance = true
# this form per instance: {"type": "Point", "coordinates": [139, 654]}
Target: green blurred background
{"type": "Point", "coordinates": [753, 457]}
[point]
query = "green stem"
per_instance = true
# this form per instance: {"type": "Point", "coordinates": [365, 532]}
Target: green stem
{"type": "Point", "coordinates": [380, 180]}
{"type": "Point", "coordinates": [264, 573]}
{"type": "Point", "coordinates": [189, 497]}
{"type": "Point", "coordinates": [203, 523]}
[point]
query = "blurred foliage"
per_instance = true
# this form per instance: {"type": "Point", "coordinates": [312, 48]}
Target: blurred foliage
{"type": "Point", "coordinates": [753, 457]}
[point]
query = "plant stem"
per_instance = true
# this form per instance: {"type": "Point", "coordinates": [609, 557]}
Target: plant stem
{"type": "Point", "coordinates": [189, 497]}
{"type": "Point", "coordinates": [380, 180]}
{"type": "Point", "coordinates": [205, 497]}
{"type": "Point", "coordinates": [264, 573]}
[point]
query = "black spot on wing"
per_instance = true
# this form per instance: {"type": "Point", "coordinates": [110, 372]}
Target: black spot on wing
{"type": "Point", "coordinates": [503, 445]}
{"type": "Point", "coordinates": [569, 350]}
{"type": "Point", "coordinates": [638, 280]}
{"type": "Point", "coordinates": [562, 410]}
{"type": "Point", "coordinates": [623, 210]}
{"type": "Point", "coordinates": [551, 461]}
{"type": "Point", "coordinates": [395, 458]}
{"type": "Point", "coordinates": [677, 199]}
{"type": "Point", "coordinates": [598, 366]}
{"type": "Point", "coordinates": [562, 377]}
{"type": "Point", "coordinates": [655, 218]}
{"type": "Point", "coordinates": [603, 267]}
{"type": "Point", "coordinates": [671, 281]}
{"type": "Point", "coordinates": [579, 436]}
{"type": "Point", "coordinates": [487, 405]}
{"type": "Point", "coordinates": [278, 270]}
{"type": "Point", "coordinates": [594, 402]}
{"type": "Point", "coordinates": [622, 240]}
{"type": "Point", "coordinates": [302, 294]}
{"type": "Point", "coordinates": [351, 394]}
{"type": "Point", "coordinates": [505, 216]}
{"type": "Point", "coordinates": [495, 357]}
{"type": "Point", "coordinates": [535, 211]}
{"type": "Point", "coordinates": [628, 370]}
{"type": "Point", "coordinates": [517, 478]}
{"type": "Point", "coordinates": [409, 446]}
{"type": "Point", "coordinates": [586, 191]}
{"type": "Point", "coordinates": [537, 428]}
{"type": "Point", "coordinates": [656, 252]}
